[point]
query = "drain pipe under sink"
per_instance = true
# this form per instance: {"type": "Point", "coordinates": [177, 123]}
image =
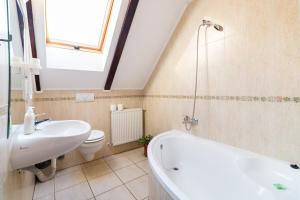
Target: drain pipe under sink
{"type": "Point", "coordinates": [44, 174]}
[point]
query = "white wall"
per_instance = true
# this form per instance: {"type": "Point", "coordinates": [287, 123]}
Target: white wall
{"type": "Point", "coordinates": [69, 79]}
{"type": "Point", "coordinates": [16, 45]}
{"type": "Point", "coordinates": [62, 58]}
{"type": "Point", "coordinates": [152, 27]}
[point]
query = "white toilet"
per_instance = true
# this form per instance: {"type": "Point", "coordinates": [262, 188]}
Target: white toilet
{"type": "Point", "coordinates": [93, 144]}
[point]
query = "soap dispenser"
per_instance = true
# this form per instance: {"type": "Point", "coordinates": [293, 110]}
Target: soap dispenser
{"type": "Point", "coordinates": [29, 121]}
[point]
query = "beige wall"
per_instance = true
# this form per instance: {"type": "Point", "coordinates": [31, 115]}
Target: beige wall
{"type": "Point", "coordinates": [249, 95]}
{"type": "Point", "coordinates": [61, 105]}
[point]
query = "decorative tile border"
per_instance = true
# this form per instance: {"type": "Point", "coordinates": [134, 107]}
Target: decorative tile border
{"type": "Point", "coordinates": [3, 110]}
{"type": "Point", "coordinates": [41, 99]}
{"type": "Point", "coordinates": [274, 99]}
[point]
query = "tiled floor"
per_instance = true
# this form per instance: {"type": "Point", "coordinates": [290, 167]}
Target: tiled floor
{"type": "Point", "coordinates": [119, 177]}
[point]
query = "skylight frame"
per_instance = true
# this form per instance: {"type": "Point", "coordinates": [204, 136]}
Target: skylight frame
{"type": "Point", "coordinates": [78, 46]}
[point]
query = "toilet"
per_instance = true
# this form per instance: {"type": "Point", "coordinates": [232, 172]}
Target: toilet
{"type": "Point", "coordinates": [93, 144]}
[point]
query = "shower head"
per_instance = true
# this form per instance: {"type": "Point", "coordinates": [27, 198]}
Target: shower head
{"type": "Point", "coordinates": [218, 27]}
{"type": "Point", "coordinates": [209, 23]}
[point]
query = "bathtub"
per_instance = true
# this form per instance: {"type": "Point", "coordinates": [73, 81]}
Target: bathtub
{"type": "Point", "coordinates": [187, 167]}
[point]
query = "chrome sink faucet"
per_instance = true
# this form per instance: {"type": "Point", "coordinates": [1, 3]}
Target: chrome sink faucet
{"type": "Point", "coordinates": [36, 121]}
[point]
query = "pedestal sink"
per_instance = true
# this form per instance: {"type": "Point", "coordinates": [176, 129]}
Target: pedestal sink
{"type": "Point", "coordinates": [50, 140]}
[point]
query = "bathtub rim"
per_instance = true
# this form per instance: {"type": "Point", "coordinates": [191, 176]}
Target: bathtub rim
{"type": "Point", "coordinates": [169, 186]}
{"type": "Point", "coordinates": [162, 178]}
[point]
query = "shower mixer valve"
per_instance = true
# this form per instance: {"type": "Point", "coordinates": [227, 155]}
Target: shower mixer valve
{"type": "Point", "coordinates": [190, 120]}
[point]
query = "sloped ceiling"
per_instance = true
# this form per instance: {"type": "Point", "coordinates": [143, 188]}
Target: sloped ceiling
{"type": "Point", "coordinates": [152, 27]}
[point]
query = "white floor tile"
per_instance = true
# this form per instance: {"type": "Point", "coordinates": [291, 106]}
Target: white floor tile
{"type": "Point", "coordinates": [104, 183]}
{"type": "Point", "coordinates": [119, 163]}
{"type": "Point", "coordinates": [96, 170]}
{"type": "Point", "coordinates": [119, 193]}
{"type": "Point", "coordinates": [93, 163]}
{"type": "Point", "coordinates": [47, 197]}
{"type": "Point", "coordinates": [81, 191]}
{"type": "Point", "coordinates": [129, 173]}
{"type": "Point", "coordinates": [68, 170]}
{"type": "Point", "coordinates": [141, 150]}
{"type": "Point", "coordinates": [139, 187]}
{"type": "Point", "coordinates": [136, 156]}
{"type": "Point", "coordinates": [44, 189]}
{"type": "Point", "coordinates": [68, 180]}
{"type": "Point", "coordinates": [138, 150]}
{"type": "Point", "coordinates": [144, 165]}
{"type": "Point", "coordinates": [71, 183]}
{"type": "Point", "coordinates": [113, 156]}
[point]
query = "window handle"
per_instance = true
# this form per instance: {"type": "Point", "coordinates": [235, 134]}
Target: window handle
{"type": "Point", "coordinates": [7, 40]}
{"type": "Point", "coordinates": [77, 47]}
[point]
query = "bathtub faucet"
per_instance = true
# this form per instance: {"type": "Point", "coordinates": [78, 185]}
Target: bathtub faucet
{"type": "Point", "coordinates": [189, 122]}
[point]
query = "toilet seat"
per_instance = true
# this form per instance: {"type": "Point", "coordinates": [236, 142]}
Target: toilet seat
{"type": "Point", "coordinates": [95, 136]}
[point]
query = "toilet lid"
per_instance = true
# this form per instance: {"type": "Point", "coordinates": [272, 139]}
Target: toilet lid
{"type": "Point", "coordinates": [95, 135]}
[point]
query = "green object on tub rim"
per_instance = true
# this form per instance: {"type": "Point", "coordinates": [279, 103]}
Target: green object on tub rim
{"type": "Point", "coordinates": [279, 186]}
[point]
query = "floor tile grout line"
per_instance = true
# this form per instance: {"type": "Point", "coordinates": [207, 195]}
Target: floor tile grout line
{"type": "Point", "coordinates": [132, 163]}
{"type": "Point", "coordinates": [112, 172]}
{"type": "Point", "coordinates": [54, 195]}
{"type": "Point", "coordinates": [92, 178]}
{"type": "Point", "coordinates": [34, 188]}
{"type": "Point", "coordinates": [68, 172]}
{"type": "Point", "coordinates": [146, 174]}
{"type": "Point", "coordinates": [86, 179]}
{"type": "Point", "coordinates": [44, 195]}
{"type": "Point", "coordinates": [88, 183]}
{"type": "Point", "coordinates": [82, 171]}
{"type": "Point", "coordinates": [103, 157]}
{"type": "Point", "coordinates": [130, 192]}
{"type": "Point", "coordinates": [105, 173]}
{"type": "Point", "coordinates": [132, 179]}
{"type": "Point", "coordinates": [124, 155]}
{"type": "Point", "coordinates": [109, 190]}
{"type": "Point", "coordinates": [136, 178]}
{"type": "Point", "coordinates": [109, 172]}
{"type": "Point", "coordinates": [124, 184]}
{"type": "Point", "coordinates": [142, 169]}
{"type": "Point", "coordinates": [69, 187]}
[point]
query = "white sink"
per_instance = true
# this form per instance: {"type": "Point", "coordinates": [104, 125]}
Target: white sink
{"type": "Point", "coordinates": [50, 140]}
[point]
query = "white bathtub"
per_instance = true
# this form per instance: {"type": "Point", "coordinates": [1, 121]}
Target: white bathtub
{"type": "Point", "coordinates": [211, 171]}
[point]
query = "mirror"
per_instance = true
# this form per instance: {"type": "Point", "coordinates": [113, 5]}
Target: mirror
{"type": "Point", "coordinates": [17, 102]}
{"type": "Point", "coordinates": [23, 66]}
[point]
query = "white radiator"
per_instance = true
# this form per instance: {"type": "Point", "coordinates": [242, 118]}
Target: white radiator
{"type": "Point", "coordinates": [126, 126]}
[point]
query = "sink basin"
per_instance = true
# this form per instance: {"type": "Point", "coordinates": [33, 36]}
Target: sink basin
{"type": "Point", "coordinates": [50, 140]}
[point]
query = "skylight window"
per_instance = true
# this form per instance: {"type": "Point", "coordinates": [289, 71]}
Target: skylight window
{"type": "Point", "coordinates": [78, 24]}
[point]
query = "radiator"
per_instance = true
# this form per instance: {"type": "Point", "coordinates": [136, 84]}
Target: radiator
{"type": "Point", "coordinates": [126, 126]}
